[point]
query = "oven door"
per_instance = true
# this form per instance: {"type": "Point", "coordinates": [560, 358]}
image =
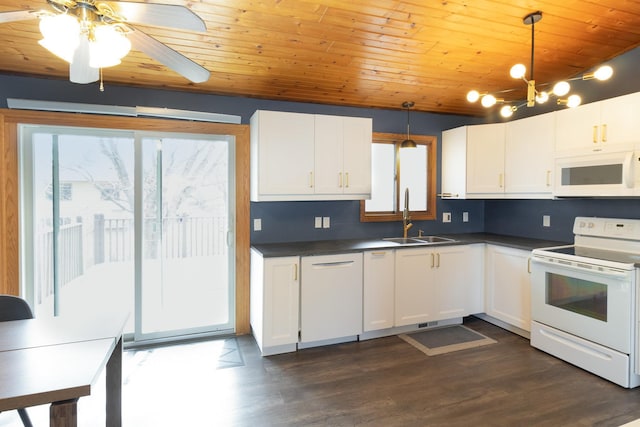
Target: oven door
{"type": "Point", "coordinates": [591, 302]}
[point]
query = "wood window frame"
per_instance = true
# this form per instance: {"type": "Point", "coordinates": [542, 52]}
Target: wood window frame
{"type": "Point", "coordinates": [432, 153]}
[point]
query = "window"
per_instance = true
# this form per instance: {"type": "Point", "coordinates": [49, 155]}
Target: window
{"type": "Point", "coordinates": [394, 170]}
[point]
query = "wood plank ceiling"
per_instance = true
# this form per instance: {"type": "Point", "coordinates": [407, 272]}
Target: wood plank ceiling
{"type": "Point", "coordinates": [367, 53]}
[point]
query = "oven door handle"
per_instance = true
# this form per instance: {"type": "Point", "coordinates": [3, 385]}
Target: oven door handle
{"type": "Point", "coordinates": [604, 271]}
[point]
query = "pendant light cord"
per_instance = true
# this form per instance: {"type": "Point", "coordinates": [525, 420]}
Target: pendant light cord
{"type": "Point", "coordinates": [533, 26]}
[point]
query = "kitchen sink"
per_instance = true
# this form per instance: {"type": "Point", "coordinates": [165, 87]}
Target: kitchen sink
{"type": "Point", "coordinates": [434, 239]}
{"type": "Point", "coordinates": [403, 240]}
{"type": "Point", "coordinates": [418, 240]}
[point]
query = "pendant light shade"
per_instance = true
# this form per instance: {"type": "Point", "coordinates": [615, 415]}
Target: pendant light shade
{"type": "Point", "coordinates": [408, 143]}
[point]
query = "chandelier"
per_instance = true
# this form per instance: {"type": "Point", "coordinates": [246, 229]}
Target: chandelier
{"type": "Point", "coordinates": [83, 37]}
{"type": "Point", "coordinates": [534, 95]}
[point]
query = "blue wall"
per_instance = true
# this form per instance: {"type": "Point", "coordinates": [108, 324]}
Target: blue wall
{"type": "Point", "coordinates": [291, 221]}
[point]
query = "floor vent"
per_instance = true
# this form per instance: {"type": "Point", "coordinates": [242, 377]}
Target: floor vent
{"type": "Point", "coordinates": [427, 324]}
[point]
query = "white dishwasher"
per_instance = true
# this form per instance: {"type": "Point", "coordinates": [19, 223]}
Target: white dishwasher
{"type": "Point", "coordinates": [330, 297]}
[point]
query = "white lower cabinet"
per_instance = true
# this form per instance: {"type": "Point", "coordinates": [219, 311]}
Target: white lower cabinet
{"type": "Point", "coordinates": [437, 283]}
{"type": "Point", "coordinates": [378, 290]}
{"type": "Point", "coordinates": [507, 285]}
{"type": "Point", "coordinates": [330, 297]}
{"type": "Point", "coordinates": [274, 311]}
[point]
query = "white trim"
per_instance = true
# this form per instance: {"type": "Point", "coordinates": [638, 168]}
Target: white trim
{"type": "Point", "coordinates": [115, 110]}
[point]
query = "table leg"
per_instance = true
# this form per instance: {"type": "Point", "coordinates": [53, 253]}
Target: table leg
{"type": "Point", "coordinates": [64, 413]}
{"type": "Point", "coordinates": [114, 387]}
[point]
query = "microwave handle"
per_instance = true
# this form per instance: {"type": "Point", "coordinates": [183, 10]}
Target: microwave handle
{"type": "Point", "coordinates": [628, 166]}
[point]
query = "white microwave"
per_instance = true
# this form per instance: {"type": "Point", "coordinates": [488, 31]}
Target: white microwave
{"type": "Point", "coordinates": [599, 174]}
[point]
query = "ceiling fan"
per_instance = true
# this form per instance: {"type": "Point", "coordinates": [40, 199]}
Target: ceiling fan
{"type": "Point", "coordinates": [92, 35]}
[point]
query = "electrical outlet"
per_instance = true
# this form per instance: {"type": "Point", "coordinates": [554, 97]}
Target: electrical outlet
{"type": "Point", "coordinates": [257, 224]}
{"type": "Point", "coordinates": [326, 222]}
{"type": "Point", "coordinates": [446, 217]}
{"type": "Point", "coordinates": [318, 222]}
{"type": "Point", "coordinates": [546, 221]}
{"type": "Point", "coordinates": [465, 216]}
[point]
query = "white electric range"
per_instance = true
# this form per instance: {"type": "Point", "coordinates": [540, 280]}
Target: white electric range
{"type": "Point", "coordinates": [584, 299]}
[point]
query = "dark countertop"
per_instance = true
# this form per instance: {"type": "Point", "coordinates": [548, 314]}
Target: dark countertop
{"type": "Point", "coordinates": [330, 247]}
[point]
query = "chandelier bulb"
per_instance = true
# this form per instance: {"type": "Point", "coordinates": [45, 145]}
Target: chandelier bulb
{"type": "Point", "coordinates": [488, 101]}
{"type": "Point", "coordinates": [508, 110]}
{"type": "Point", "coordinates": [573, 101]}
{"type": "Point", "coordinates": [542, 97]}
{"type": "Point", "coordinates": [518, 71]}
{"type": "Point", "coordinates": [603, 73]}
{"type": "Point", "coordinates": [473, 95]}
{"type": "Point", "coordinates": [561, 88]}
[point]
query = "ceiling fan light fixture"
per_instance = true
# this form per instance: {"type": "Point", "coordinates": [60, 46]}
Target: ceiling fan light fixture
{"type": "Point", "coordinates": [108, 47]}
{"type": "Point", "coordinates": [61, 35]}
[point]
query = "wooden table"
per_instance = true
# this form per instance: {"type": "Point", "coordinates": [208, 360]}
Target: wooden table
{"type": "Point", "coordinates": [57, 361]}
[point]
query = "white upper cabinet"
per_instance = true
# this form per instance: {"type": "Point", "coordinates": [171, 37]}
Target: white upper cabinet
{"type": "Point", "coordinates": [528, 163]}
{"type": "Point", "coordinates": [454, 163]}
{"type": "Point", "coordinates": [296, 156]}
{"type": "Point", "coordinates": [343, 155]}
{"type": "Point", "coordinates": [282, 155]}
{"type": "Point", "coordinates": [485, 159]}
{"type": "Point", "coordinates": [598, 125]}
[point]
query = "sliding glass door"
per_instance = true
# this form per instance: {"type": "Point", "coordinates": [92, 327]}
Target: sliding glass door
{"type": "Point", "coordinates": [185, 255]}
{"type": "Point", "coordinates": [118, 220]}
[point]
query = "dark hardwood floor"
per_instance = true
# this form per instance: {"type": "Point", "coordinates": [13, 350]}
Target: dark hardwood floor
{"type": "Point", "coordinates": [382, 382]}
{"type": "Point", "coordinates": [387, 382]}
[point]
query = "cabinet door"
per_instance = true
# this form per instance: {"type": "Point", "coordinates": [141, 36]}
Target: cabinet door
{"type": "Point", "coordinates": [485, 159]}
{"type": "Point", "coordinates": [508, 288]}
{"type": "Point", "coordinates": [529, 146]}
{"type": "Point", "coordinates": [378, 290]}
{"type": "Point", "coordinates": [414, 294]}
{"type": "Point", "coordinates": [284, 143]}
{"type": "Point", "coordinates": [577, 128]}
{"type": "Point", "coordinates": [458, 281]}
{"type": "Point", "coordinates": [357, 156]}
{"type": "Point", "coordinates": [450, 282]}
{"type": "Point", "coordinates": [329, 156]}
{"type": "Point", "coordinates": [454, 163]}
{"type": "Point", "coordinates": [343, 155]}
{"type": "Point", "coordinates": [281, 301]}
{"type": "Point", "coordinates": [619, 122]}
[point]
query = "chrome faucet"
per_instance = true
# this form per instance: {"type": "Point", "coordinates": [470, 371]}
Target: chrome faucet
{"type": "Point", "coordinates": [406, 225]}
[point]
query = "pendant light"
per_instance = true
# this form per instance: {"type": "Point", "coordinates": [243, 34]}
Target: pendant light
{"type": "Point", "coordinates": [408, 143]}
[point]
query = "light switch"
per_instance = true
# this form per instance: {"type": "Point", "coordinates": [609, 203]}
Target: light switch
{"type": "Point", "coordinates": [546, 221]}
{"type": "Point", "coordinates": [326, 222]}
{"type": "Point", "coordinates": [465, 216]}
{"type": "Point", "coordinates": [446, 217]}
{"type": "Point", "coordinates": [257, 224]}
{"type": "Point", "coordinates": [318, 222]}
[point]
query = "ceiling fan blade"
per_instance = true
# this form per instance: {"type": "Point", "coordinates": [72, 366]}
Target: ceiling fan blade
{"type": "Point", "coordinates": [16, 15]}
{"type": "Point", "coordinates": [167, 56]}
{"type": "Point", "coordinates": [159, 15]}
